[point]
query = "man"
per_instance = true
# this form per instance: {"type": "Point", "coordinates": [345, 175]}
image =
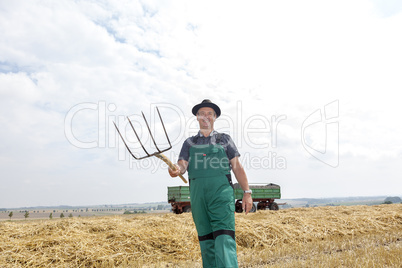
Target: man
{"type": "Point", "coordinates": [209, 156]}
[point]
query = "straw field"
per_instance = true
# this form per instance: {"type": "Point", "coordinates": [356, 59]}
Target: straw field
{"type": "Point", "coordinates": [355, 236]}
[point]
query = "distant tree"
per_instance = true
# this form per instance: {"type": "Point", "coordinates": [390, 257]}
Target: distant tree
{"type": "Point", "coordinates": [62, 215]}
{"type": "Point", "coordinates": [26, 215]}
{"type": "Point", "coordinates": [51, 215]}
{"type": "Point", "coordinates": [71, 215]}
{"type": "Point", "coordinates": [392, 199]}
{"type": "Point", "coordinates": [11, 215]}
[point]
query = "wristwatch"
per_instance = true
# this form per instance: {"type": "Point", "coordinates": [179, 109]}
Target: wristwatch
{"type": "Point", "coordinates": [248, 192]}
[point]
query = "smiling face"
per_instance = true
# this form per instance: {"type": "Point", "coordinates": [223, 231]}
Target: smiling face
{"type": "Point", "coordinates": [206, 117]}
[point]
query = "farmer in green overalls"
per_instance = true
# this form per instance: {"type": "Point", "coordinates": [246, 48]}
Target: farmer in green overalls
{"type": "Point", "coordinates": [208, 157]}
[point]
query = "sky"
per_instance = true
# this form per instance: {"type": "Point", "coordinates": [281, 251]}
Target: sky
{"type": "Point", "coordinates": [307, 89]}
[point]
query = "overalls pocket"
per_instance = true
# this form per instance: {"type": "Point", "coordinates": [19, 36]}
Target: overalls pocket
{"type": "Point", "coordinates": [207, 161]}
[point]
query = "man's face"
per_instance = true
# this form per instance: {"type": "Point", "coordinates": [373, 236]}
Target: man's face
{"type": "Point", "coordinates": [206, 117]}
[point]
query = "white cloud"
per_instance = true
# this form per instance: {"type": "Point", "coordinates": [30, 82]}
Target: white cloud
{"type": "Point", "coordinates": [260, 59]}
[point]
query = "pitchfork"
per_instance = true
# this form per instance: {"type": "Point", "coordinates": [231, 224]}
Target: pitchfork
{"type": "Point", "coordinates": [158, 154]}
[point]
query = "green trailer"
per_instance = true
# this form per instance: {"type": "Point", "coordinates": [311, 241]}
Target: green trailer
{"type": "Point", "coordinates": [179, 198]}
{"type": "Point", "coordinates": [263, 194]}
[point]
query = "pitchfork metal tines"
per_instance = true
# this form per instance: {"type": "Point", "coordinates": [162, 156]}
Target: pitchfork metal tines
{"type": "Point", "coordinates": [159, 152]}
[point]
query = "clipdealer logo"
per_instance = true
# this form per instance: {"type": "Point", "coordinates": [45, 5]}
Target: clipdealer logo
{"type": "Point", "coordinates": [319, 133]}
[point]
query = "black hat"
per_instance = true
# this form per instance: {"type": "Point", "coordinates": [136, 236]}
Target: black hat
{"type": "Point", "coordinates": [207, 103]}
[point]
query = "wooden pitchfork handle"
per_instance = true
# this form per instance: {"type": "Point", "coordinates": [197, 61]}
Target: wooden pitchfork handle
{"type": "Point", "coordinates": [170, 164]}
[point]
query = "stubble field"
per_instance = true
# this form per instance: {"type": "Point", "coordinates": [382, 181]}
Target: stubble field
{"type": "Point", "coordinates": [355, 236]}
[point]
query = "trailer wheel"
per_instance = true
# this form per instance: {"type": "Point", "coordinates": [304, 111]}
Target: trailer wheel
{"type": "Point", "coordinates": [176, 211]}
{"type": "Point", "coordinates": [187, 209]}
{"type": "Point", "coordinates": [273, 206]}
{"type": "Point", "coordinates": [238, 207]}
{"type": "Point", "coordinates": [261, 206]}
{"type": "Point", "coordinates": [253, 208]}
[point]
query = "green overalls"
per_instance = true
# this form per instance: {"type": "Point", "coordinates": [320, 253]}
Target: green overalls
{"type": "Point", "coordinates": [212, 204]}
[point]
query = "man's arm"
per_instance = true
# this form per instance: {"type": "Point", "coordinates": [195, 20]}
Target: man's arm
{"type": "Point", "coordinates": [182, 164]}
{"type": "Point", "coordinates": [241, 178]}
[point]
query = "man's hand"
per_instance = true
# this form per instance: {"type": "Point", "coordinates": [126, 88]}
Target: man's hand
{"type": "Point", "coordinates": [181, 168]}
{"type": "Point", "coordinates": [247, 202]}
{"type": "Point", "coordinates": [174, 173]}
